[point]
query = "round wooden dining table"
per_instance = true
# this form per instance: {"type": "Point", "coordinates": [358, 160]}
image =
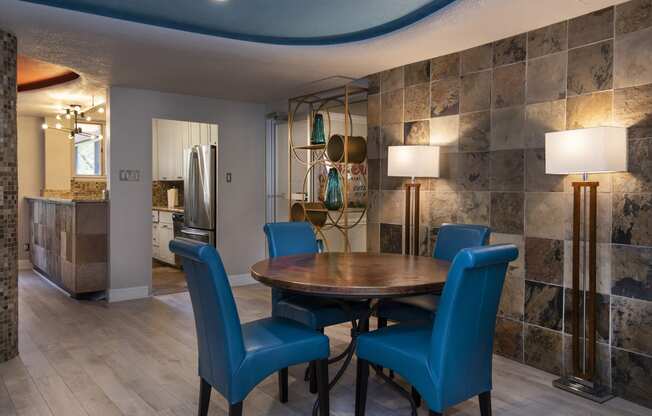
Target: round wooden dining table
{"type": "Point", "coordinates": [354, 276]}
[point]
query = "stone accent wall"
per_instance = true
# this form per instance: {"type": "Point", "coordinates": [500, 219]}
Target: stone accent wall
{"type": "Point", "coordinates": [8, 200]}
{"type": "Point", "coordinates": [489, 108]}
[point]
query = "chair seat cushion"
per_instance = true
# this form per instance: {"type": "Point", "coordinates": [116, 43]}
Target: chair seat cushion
{"type": "Point", "coordinates": [403, 348]}
{"type": "Point", "coordinates": [317, 312]}
{"type": "Point", "coordinates": [272, 344]}
{"type": "Point", "coordinates": [409, 308]}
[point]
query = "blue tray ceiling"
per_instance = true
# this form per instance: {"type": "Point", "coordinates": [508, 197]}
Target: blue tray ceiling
{"type": "Point", "coordinates": [288, 22]}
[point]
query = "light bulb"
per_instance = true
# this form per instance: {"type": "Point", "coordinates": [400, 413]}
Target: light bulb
{"type": "Point", "coordinates": [100, 137]}
{"type": "Point", "coordinates": [77, 108]}
{"type": "Point", "coordinates": [44, 126]}
{"type": "Point", "coordinates": [58, 126]}
{"type": "Point", "coordinates": [67, 116]}
{"type": "Point", "coordinates": [100, 110]}
{"type": "Point", "coordinates": [88, 118]}
{"type": "Point", "coordinates": [58, 117]}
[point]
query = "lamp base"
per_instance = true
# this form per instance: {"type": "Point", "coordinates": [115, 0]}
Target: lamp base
{"type": "Point", "coordinates": [583, 388]}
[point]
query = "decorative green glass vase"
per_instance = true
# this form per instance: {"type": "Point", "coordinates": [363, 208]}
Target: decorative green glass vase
{"type": "Point", "coordinates": [317, 136]}
{"type": "Point", "coordinates": [333, 197]}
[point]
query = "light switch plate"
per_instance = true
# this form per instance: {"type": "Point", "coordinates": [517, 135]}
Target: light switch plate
{"type": "Point", "coordinates": [129, 175]}
{"type": "Point", "coordinates": [228, 177]}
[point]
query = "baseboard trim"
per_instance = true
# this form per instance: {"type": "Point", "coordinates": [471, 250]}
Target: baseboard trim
{"type": "Point", "coordinates": [128, 293]}
{"type": "Point", "coordinates": [24, 265]}
{"type": "Point", "coordinates": [241, 280]}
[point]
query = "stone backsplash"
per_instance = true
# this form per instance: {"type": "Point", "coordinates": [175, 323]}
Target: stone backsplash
{"type": "Point", "coordinates": [160, 192]}
{"type": "Point", "coordinates": [489, 107]}
{"type": "Point", "coordinates": [79, 189]}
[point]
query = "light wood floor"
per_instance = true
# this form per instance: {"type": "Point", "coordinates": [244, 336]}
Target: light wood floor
{"type": "Point", "coordinates": [138, 358]}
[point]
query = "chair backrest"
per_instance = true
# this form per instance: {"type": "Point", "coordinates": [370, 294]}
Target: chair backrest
{"type": "Point", "coordinates": [452, 238]}
{"type": "Point", "coordinates": [219, 334]}
{"type": "Point", "coordinates": [286, 239]}
{"type": "Point", "coordinates": [463, 330]}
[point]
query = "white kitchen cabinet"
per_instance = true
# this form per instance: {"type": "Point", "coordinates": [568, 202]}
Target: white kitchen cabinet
{"type": "Point", "coordinates": [165, 235]}
{"type": "Point", "coordinates": [212, 134]}
{"type": "Point", "coordinates": [155, 241]}
{"type": "Point", "coordinates": [155, 175]}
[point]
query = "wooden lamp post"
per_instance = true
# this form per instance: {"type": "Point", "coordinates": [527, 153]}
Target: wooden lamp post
{"type": "Point", "coordinates": [412, 162]}
{"type": "Point", "coordinates": [584, 151]}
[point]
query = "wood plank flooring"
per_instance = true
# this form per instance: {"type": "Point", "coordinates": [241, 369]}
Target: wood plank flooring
{"type": "Point", "coordinates": [139, 358]}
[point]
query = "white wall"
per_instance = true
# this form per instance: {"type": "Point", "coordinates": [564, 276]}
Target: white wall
{"type": "Point", "coordinates": [58, 158]}
{"type": "Point", "coordinates": [241, 203]}
{"type": "Point", "coordinates": [30, 176]}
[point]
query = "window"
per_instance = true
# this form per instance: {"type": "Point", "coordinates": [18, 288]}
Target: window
{"type": "Point", "coordinates": [88, 150]}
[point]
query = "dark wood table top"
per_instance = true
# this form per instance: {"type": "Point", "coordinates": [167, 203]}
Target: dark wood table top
{"type": "Point", "coordinates": [353, 275]}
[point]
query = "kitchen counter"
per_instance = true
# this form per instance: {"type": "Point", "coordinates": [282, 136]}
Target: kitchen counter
{"type": "Point", "coordinates": [69, 242]}
{"type": "Point", "coordinates": [166, 209]}
{"type": "Point", "coordinates": [66, 200]}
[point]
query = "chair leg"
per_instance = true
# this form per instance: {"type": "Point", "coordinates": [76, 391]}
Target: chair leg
{"type": "Point", "coordinates": [235, 409]}
{"type": "Point", "coordinates": [204, 397]}
{"type": "Point", "coordinates": [283, 385]}
{"type": "Point", "coordinates": [361, 382]}
{"type": "Point", "coordinates": [485, 403]}
{"type": "Point", "coordinates": [416, 397]}
{"type": "Point", "coordinates": [322, 387]}
{"type": "Point", "coordinates": [313, 377]}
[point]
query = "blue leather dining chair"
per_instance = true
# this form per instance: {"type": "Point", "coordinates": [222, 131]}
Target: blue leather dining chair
{"type": "Point", "coordinates": [234, 358]}
{"type": "Point", "coordinates": [447, 360]}
{"type": "Point", "coordinates": [288, 238]}
{"type": "Point", "coordinates": [451, 238]}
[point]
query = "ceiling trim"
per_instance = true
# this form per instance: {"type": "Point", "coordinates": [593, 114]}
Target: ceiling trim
{"type": "Point", "coordinates": [383, 29]}
{"type": "Point", "coordinates": [48, 82]}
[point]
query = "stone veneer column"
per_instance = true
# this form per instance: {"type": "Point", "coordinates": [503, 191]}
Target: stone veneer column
{"type": "Point", "coordinates": [8, 200]}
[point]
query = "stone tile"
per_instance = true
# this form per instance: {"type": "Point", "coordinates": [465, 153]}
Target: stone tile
{"type": "Point", "coordinates": [638, 177]}
{"type": "Point", "coordinates": [510, 50]}
{"type": "Point", "coordinates": [475, 94]}
{"type": "Point", "coordinates": [507, 169]}
{"type": "Point", "coordinates": [373, 110]}
{"type": "Point", "coordinates": [417, 132]}
{"type": "Point", "coordinates": [472, 171]}
{"type": "Point", "coordinates": [604, 214]}
{"type": "Point", "coordinates": [632, 110]}
{"type": "Point", "coordinates": [374, 205]}
{"type": "Point", "coordinates": [508, 340]}
{"type": "Point", "coordinates": [512, 297]}
{"type": "Point", "coordinates": [392, 208]}
{"type": "Point", "coordinates": [633, 59]}
{"type": "Point", "coordinates": [425, 237]}
{"type": "Point", "coordinates": [391, 238]}
{"type": "Point", "coordinates": [590, 68]}
{"type": "Point", "coordinates": [390, 135]}
{"type": "Point", "coordinates": [603, 272]}
{"type": "Point", "coordinates": [373, 174]}
{"type": "Point", "coordinates": [602, 315]}
{"type": "Point", "coordinates": [536, 178]}
{"type": "Point", "coordinates": [603, 361]}
{"type": "Point", "coordinates": [417, 102]}
{"type": "Point", "coordinates": [444, 132]}
{"type": "Point", "coordinates": [632, 219]}
{"type": "Point", "coordinates": [392, 107]}
{"type": "Point", "coordinates": [442, 207]}
{"type": "Point", "coordinates": [632, 376]}
{"type": "Point", "coordinates": [373, 238]}
{"type": "Point", "coordinates": [507, 212]}
{"type": "Point", "coordinates": [475, 131]}
{"type": "Point", "coordinates": [543, 349]}
{"type": "Point", "coordinates": [474, 208]}
{"type": "Point", "coordinates": [509, 85]}
{"type": "Point", "coordinates": [544, 305]}
{"type": "Point", "coordinates": [445, 67]}
{"type": "Point", "coordinates": [477, 59]}
{"type": "Point", "coordinates": [547, 40]}
{"type": "Point", "coordinates": [546, 78]}
{"type": "Point", "coordinates": [507, 126]}
{"type": "Point", "coordinates": [517, 266]}
{"type": "Point", "coordinates": [391, 79]}
{"type": "Point", "coordinates": [631, 324]}
{"type": "Point", "coordinates": [445, 97]}
{"type": "Point", "coordinates": [416, 73]}
{"type": "Point", "coordinates": [542, 118]}
{"type": "Point", "coordinates": [544, 260]}
{"type": "Point", "coordinates": [373, 83]}
{"type": "Point", "coordinates": [633, 15]}
{"type": "Point", "coordinates": [374, 141]}
{"type": "Point", "coordinates": [591, 27]}
{"type": "Point", "coordinates": [631, 271]}
{"type": "Point", "coordinates": [589, 110]}
{"type": "Point", "coordinates": [544, 215]}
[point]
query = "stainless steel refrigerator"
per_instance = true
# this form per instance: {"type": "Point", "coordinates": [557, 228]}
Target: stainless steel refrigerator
{"type": "Point", "coordinates": [200, 193]}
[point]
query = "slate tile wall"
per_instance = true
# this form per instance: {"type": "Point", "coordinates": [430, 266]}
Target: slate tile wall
{"type": "Point", "coordinates": [8, 200]}
{"type": "Point", "coordinates": [489, 108]}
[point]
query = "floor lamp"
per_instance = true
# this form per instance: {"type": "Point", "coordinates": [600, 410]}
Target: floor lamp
{"type": "Point", "coordinates": [584, 151]}
{"type": "Point", "coordinates": [412, 162]}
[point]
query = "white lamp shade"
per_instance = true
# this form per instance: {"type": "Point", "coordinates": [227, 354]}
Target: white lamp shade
{"type": "Point", "coordinates": [590, 150]}
{"type": "Point", "coordinates": [413, 161]}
